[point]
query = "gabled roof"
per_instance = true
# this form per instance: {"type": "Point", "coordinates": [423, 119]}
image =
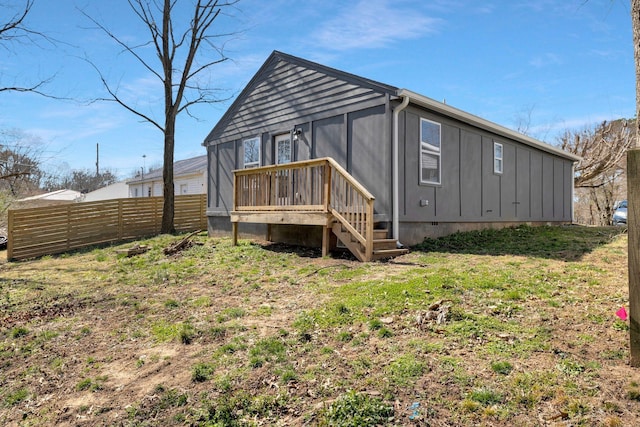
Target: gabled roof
{"type": "Point", "coordinates": [271, 65]}
{"type": "Point", "coordinates": [180, 168]}
{"type": "Point", "coordinates": [414, 98]}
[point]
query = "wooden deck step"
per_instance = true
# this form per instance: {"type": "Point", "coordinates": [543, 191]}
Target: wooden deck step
{"type": "Point", "coordinates": [383, 247]}
{"type": "Point", "coordinates": [380, 233]}
{"type": "Point", "coordinates": [388, 253]}
{"type": "Point", "coordinates": [381, 244]}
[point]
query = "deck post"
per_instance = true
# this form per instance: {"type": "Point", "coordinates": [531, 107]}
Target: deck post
{"type": "Point", "coordinates": [369, 231]}
{"type": "Point", "coordinates": [234, 232]}
{"type": "Point", "coordinates": [327, 186]}
{"type": "Point", "coordinates": [326, 190]}
{"type": "Point", "coordinates": [326, 239]}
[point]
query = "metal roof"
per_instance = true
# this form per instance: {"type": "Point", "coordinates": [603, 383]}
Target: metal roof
{"type": "Point", "coordinates": [463, 116]}
{"type": "Point", "coordinates": [415, 98]}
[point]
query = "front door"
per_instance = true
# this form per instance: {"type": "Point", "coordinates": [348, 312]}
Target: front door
{"type": "Point", "coordinates": [283, 149]}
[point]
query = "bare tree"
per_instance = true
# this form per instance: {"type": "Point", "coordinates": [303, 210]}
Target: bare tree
{"type": "Point", "coordinates": [82, 180]}
{"type": "Point", "coordinates": [178, 48]}
{"type": "Point", "coordinates": [602, 149]}
{"type": "Point", "coordinates": [13, 30]}
{"type": "Point", "coordinates": [20, 162]}
{"type": "Point", "coordinates": [600, 175]}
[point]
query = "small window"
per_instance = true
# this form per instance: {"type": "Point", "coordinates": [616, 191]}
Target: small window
{"type": "Point", "coordinates": [430, 152]}
{"type": "Point", "coordinates": [283, 149]}
{"type": "Point", "coordinates": [251, 152]}
{"type": "Point", "coordinates": [497, 157]}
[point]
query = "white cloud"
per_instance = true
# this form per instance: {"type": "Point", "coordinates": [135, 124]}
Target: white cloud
{"type": "Point", "coordinates": [374, 24]}
{"type": "Point", "coordinates": [546, 60]}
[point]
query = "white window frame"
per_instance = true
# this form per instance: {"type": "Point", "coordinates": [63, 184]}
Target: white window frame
{"type": "Point", "coordinates": [431, 150]}
{"type": "Point", "coordinates": [252, 164]}
{"type": "Point", "coordinates": [280, 139]}
{"type": "Point", "coordinates": [498, 158]}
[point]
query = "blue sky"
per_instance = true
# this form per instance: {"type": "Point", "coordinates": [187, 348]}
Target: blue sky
{"type": "Point", "coordinates": [551, 64]}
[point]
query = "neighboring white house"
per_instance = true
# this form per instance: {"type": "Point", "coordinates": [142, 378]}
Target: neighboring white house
{"type": "Point", "coordinates": [118, 190]}
{"type": "Point", "coordinates": [189, 177]}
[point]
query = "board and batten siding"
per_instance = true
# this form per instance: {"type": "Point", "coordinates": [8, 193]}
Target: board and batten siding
{"type": "Point", "coordinates": [534, 185]}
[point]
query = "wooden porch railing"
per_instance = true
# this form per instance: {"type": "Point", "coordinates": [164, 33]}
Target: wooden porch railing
{"type": "Point", "coordinates": [319, 185]}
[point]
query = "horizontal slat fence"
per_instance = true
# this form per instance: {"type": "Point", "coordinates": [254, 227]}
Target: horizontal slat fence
{"type": "Point", "coordinates": [54, 229]}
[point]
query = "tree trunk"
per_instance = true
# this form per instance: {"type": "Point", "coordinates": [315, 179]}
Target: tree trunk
{"type": "Point", "coordinates": [633, 211]}
{"type": "Point", "coordinates": [169, 123]}
{"type": "Point", "coordinates": [167, 178]}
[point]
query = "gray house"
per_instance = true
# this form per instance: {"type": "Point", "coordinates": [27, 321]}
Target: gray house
{"type": "Point", "coordinates": [406, 165]}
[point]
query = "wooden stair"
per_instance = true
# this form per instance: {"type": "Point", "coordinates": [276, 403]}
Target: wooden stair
{"type": "Point", "coordinates": [383, 247]}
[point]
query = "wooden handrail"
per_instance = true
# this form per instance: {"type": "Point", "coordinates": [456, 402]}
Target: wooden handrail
{"type": "Point", "coordinates": [309, 185]}
{"type": "Point", "coordinates": [305, 164]}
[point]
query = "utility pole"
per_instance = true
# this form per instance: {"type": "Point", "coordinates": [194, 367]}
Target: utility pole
{"type": "Point", "coordinates": [144, 165]}
{"type": "Point", "coordinates": [97, 159]}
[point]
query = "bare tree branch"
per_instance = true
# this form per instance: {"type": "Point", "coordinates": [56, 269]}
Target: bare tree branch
{"type": "Point", "coordinates": [601, 148]}
{"type": "Point", "coordinates": [14, 30]}
{"type": "Point", "coordinates": [177, 46]}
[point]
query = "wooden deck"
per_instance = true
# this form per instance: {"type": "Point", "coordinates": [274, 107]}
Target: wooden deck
{"type": "Point", "coordinates": [315, 192]}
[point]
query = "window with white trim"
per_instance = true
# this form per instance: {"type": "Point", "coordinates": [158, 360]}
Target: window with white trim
{"type": "Point", "coordinates": [251, 148]}
{"type": "Point", "coordinates": [430, 152]}
{"type": "Point", "coordinates": [497, 158]}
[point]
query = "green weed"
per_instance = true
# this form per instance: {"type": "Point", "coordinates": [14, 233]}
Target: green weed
{"type": "Point", "coordinates": [202, 372]}
{"type": "Point", "coordinates": [19, 331]}
{"type": "Point", "coordinates": [230, 313]}
{"type": "Point", "coordinates": [404, 370]}
{"type": "Point", "coordinates": [385, 333]}
{"type": "Point", "coordinates": [375, 324]}
{"type": "Point", "coordinates": [345, 336]}
{"type": "Point", "coordinates": [15, 397]}
{"type": "Point", "coordinates": [501, 367]}
{"type": "Point", "coordinates": [94, 384]}
{"type": "Point", "coordinates": [266, 350]}
{"type": "Point", "coordinates": [570, 367]}
{"type": "Point", "coordinates": [171, 304]}
{"type": "Point", "coordinates": [187, 333]}
{"type": "Point", "coordinates": [355, 410]}
{"type": "Point", "coordinates": [485, 396]}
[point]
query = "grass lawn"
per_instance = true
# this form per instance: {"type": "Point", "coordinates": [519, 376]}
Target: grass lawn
{"type": "Point", "coordinates": [266, 334]}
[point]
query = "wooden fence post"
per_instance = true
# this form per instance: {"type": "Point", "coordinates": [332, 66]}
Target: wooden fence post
{"type": "Point", "coordinates": [10, 236]}
{"type": "Point", "coordinates": [633, 222]}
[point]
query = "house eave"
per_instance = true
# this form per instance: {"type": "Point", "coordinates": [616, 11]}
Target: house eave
{"type": "Point", "coordinates": [479, 122]}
